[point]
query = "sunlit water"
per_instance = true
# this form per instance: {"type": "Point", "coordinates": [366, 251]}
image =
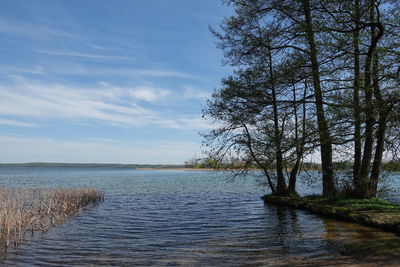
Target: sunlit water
{"type": "Point", "coordinates": [177, 218]}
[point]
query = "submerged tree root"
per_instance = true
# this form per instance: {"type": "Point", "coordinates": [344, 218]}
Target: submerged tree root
{"type": "Point", "coordinates": [24, 211]}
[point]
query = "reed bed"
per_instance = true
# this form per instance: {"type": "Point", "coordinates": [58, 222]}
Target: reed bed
{"type": "Point", "coordinates": [24, 211]}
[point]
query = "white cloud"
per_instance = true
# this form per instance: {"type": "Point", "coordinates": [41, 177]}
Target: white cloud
{"type": "Point", "coordinates": [131, 72]}
{"type": "Point", "coordinates": [32, 99]}
{"type": "Point", "coordinates": [80, 70]}
{"type": "Point", "coordinates": [196, 122]}
{"type": "Point", "coordinates": [16, 27]}
{"type": "Point", "coordinates": [149, 94]}
{"type": "Point", "coordinates": [17, 123]}
{"type": "Point", "coordinates": [21, 149]}
{"type": "Point", "coordinates": [191, 92]}
{"type": "Point", "coordinates": [12, 70]}
{"type": "Point", "coordinates": [105, 104]}
{"type": "Point", "coordinates": [143, 93]}
{"type": "Point", "coordinates": [83, 55]}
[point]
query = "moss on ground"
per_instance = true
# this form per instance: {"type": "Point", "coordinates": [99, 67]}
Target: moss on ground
{"type": "Point", "coordinates": [375, 204]}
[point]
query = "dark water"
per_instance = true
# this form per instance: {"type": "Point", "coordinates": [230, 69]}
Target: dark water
{"type": "Point", "coordinates": [177, 218]}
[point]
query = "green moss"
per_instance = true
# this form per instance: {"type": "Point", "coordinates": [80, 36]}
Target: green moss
{"type": "Point", "coordinates": [375, 204]}
{"type": "Point", "coordinates": [294, 195]}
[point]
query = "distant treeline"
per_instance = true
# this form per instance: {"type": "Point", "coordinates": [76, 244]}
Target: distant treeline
{"type": "Point", "coordinates": [209, 163]}
{"type": "Point", "coordinates": [90, 165]}
{"type": "Point", "coordinates": [206, 163]}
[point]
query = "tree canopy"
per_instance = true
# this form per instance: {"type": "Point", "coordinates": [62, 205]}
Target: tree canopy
{"type": "Point", "coordinates": [311, 77]}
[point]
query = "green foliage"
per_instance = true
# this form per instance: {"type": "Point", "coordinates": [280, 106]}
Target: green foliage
{"type": "Point", "coordinates": [309, 75]}
{"type": "Point", "coordinates": [202, 163]}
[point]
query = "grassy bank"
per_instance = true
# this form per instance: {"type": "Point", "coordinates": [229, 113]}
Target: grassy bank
{"type": "Point", "coordinates": [24, 211]}
{"type": "Point", "coordinates": [371, 212]}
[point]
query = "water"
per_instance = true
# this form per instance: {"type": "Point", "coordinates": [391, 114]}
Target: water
{"type": "Point", "coordinates": [177, 218]}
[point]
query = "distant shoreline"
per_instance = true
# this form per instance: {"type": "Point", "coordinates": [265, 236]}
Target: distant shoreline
{"type": "Point", "coordinates": [174, 169]}
{"type": "Point", "coordinates": [139, 167]}
{"type": "Point", "coordinates": [91, 165]}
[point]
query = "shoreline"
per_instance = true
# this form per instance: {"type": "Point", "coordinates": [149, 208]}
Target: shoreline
{"type": "Point", "coordinates": [385, 217]}
{"type": "Point", "coordinates": [175, 169]}
{"type": "Point", "coordinates": [377, 213]}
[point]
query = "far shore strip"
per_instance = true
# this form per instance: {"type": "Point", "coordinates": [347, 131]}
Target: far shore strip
{"type": "Point", "coordinates": [174, 169]}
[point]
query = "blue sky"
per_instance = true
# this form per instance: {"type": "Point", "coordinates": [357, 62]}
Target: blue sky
{"type": "Point", "coordinates": [106, 81]}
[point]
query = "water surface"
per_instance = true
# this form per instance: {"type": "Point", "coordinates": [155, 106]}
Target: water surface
{"type": "Point", "coordinates": [177, 218]}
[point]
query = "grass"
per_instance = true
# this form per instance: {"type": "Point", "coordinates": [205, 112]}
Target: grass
{"type": "Point", "coordinates": [24, 211]}
{"type": "Point", "coordinates": [374, 204]}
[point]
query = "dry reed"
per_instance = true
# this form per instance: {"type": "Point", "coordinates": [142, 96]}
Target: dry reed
{"type": "Point", "coordinates": [24, 211]}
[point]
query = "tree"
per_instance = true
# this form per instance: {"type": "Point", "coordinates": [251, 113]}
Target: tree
{"type": "Point", "coordinates": [310, 74]}
{"type": "Point", "coordinates": [374, 47]}
{"type": "Point", "coordinates": [323, 129]}
{"type": "Point", "coordinates": [255, 105]}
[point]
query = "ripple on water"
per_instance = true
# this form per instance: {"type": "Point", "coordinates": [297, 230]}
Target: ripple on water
{"type": "Point", "coordinates": [202, 223]}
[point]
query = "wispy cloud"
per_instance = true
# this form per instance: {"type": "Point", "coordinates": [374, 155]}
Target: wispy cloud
{"type": "Point", "coordinates": [82, 55]}
{"type": "Point", "coordinates": [16, 27]}
{"type": "Point", "coordinates": [105, 103]}
{"type": "Point", "coordinates": [80, 70]}
{"type": "Point", "coordinates": [32, 99]}
{"type": "Point", "coordinates": [192, 92]}
{"type": "Point", "coordinates": [143, 93]}
{"type": "Point", "coordinates": [196, 122]}
{"type": "Point", "coordinates": [132, 72]}
{"type": "Point", "coordinates": [17, 123]}
{"type": "Point", "coordinates": [149, 94]}
{"type": "Point", "coordinates": [17, 70]}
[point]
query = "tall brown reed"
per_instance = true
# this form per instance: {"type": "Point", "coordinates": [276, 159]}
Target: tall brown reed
{"type": "Point", "coordinates": [27, 210]}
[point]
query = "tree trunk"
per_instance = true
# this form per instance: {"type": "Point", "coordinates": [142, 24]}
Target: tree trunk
{"type": "Point", "coordinates": [363, 189]}
{"type": "Point", "coordinates": [376, 167]}
{"type": "Point", "coordinates": [262, 166]}
{"type": "Point", "coordinates": [299, 143]}
{"type": "Point", "coordinates": [328, 181]}
{"type": "Point", "coordinates": [356, 96]}
{"type": "Point", "coordinates": [281, 183]}
{"type": "Point", "coordinates": [380, 135]}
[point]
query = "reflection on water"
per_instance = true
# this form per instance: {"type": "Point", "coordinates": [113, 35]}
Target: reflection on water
{"type": "Point", "coordinates": [177, 218]}
{"type": "Point", "coordinates": [348, 232]}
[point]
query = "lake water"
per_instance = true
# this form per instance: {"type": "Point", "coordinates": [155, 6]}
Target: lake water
{"type": "Point", "coordinates": [177, 218]}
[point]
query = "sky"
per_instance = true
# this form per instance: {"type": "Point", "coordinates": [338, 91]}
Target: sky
{"type": "Point", "coordinates": [94, 81]}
